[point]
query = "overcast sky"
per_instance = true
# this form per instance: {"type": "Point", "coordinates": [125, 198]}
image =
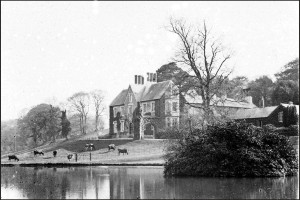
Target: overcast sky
{"type": "Point", "coordinates": [54, 49]}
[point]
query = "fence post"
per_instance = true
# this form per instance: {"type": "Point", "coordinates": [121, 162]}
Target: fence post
{"type": "Point", "coordinates": [76, 157]}
{"type": "Point", "coordinates": [90, 156]}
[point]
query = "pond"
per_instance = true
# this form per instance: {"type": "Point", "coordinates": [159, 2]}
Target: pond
{"type": "Point", "coordinates": [110, 182]}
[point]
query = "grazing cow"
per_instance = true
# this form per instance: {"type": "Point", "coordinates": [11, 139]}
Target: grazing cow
{"type": "Point", "coordinates": [70, 156]}
{"type": "Point", "coordinates": [89, 147]}
{"type": "Point", "coordinates": [111, 146]}
{"type": "Point", "coordinates": [54, 153]}
{"type": "Point", "coordinates": [92, 147]}
{"type": "Point", "coordinates": [13, 157]}
{"type": "Point", "coordinates": [35, 152]}
{"type": "Point", "coordinates": [123, 151]}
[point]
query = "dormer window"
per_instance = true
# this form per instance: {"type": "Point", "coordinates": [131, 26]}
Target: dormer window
{"type": "Point", "coordinates": [130, 97]}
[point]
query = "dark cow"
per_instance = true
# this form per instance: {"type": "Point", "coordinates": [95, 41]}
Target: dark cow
{"type": "Point", "coordinates": [13, 157]}
{"type": "Point", "coordinates": [70, 156]}
{"type": "Point", "coordinates": [54, 153]}
{"type": "Point", "coordinates": [111, 146]}
{"type": "Point", "coordinates": [89, 147]}
{"type": "Point", "coordinates": [123, 151]}
{"type": "Point", "coordinates": [35, 152]}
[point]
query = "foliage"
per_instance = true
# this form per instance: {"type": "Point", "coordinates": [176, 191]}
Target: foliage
{"type": "Point", "coordinates": [235, 87]}
{"type": "Point", "coordinates": [285, 91]}
{"type": "Point", "coordinates": [232, 149]}
{"type": "Point", "coordinates": [292, 130]}
{"type": "Point", "coordinates": [290, 71]}
{"type": "Point", "coordinates": [171, 133]}
{"type": "Point", "coordinates": [65, 125]}
{"type": "Point", "coordinates": [42, 123]}
{"type": "Point", "coordinates": [98, 98]}
{"type": "Point", "coordinates": [261, 87]}
{"type": "Point", "coordinates": [80, 102]}
{"type": "Point", "coordinates": [205, 59]}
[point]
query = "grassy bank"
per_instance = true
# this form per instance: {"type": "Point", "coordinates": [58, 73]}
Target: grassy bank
{"type": "Point", "coordinates": [141, 152]}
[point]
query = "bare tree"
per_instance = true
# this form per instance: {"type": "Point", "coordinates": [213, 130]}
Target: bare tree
{"type": "Point", "coordinates": [205, 59]}
{"type": "Point", "coordinates": [80, 103]}
{"type": "Point", "coordinates": [98, 98]}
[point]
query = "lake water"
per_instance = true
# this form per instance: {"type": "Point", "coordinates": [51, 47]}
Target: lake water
{"type": "Point", "coordinates": [99, 182]}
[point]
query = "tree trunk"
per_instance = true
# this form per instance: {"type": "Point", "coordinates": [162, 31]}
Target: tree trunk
{"type": "Point", "coordinates": [97, 123]}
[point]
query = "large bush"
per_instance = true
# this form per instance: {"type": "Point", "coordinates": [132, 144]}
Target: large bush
{"type": "Point", "coordinates": [232, 149]}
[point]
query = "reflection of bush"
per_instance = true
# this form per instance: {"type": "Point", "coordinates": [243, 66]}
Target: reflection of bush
{"type": "Point", "coordinates": [232, 149]}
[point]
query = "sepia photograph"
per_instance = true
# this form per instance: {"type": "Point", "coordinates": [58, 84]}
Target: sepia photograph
{"type": "Point", "coordinates": [149, 100]}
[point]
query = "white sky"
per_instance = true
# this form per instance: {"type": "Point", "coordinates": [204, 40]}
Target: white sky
{"type": "Point", "coordinates": [54, 49]}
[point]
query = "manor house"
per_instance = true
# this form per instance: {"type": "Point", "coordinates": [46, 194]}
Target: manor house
{"type": "Point", "coordinates": [158, 106]}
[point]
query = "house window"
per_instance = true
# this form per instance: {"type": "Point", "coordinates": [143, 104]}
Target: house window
{"type": "Point", "coordinates": [175, 122]}
{"type": "Point", "coordinates": [280, 116]}
{"type": "Point", "coordinates": [167, 106]}
{"type": "Point", "coordinates": [168, 122]}
{"type": "Point", "coordinates": [130, 97]}
{"type": "Point", "coordinates": [115, 111]}
{"type": "Point", "coordinates": [174, 106]}
{"type": "Point", "coordinates": [148, 106]}
{"type": "Point", "coordinates": [115, 127]}
{"type": "Point", "coordinates": [153, 106]}
{"type": "Point", "coordinates": [130, 109]}
{"type": "Point", "coordinates": [144, 107]}
{"type": "Point", "coordinates": [122, 111]}
{"type": "Point", "coordinates": [122, 126]}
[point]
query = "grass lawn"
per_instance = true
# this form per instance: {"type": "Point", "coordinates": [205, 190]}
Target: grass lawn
{"type": "Point", "coordinates": [139, 152]}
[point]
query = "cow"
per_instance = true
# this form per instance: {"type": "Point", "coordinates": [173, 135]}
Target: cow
{"type": "Point", "coordinates": [70, 156]}
{"type": "Point", "coordinates": [89, 147]}
{"type": "Point", "coordinates": [54, 153]}
{"type": "Point", "coordinates": [13, 157]}
{"type": "Point", "coordinates": [123, 151]}
{"type": "Point", "coordinates": [111, 146]}
{"type": "Point", "coordinates": [35, 152]}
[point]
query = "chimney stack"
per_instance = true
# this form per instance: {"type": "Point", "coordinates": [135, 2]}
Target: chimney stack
{"type": "Point", "coordinates": [262, 102]}
{"type": "Point", "coordinates": [248, 99]}
{"type": "Point", "coordinates": [138, 80]}
{"type": "Point", "coordinates": [151, 77]}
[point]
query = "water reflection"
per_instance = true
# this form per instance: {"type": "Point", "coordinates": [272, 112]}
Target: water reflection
{"type": "Point", "coordinates": [134, 182]}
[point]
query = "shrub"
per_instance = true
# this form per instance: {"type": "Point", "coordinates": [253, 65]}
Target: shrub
{"type": "Point", "coordinates": [292, 130]}
{"type": "Point", "coordinates": [170, 133]}
{"type": "Point", "coordinates": [232, 149]}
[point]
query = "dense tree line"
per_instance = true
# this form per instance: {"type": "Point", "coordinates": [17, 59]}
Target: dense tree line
{"type": "Point", "coordinates": [46, 122]}
{"type": "Point", "coordinates": [284, 89]}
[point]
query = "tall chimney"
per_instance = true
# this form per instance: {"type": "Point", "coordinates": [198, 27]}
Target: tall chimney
{"type": "Point", "coordinates": [135, 79]}
{"type": "Point", "coordinates": [248, 99]}
{"type": "Point", "coordinates": [262, 102]}
{"type": "Point", "coordinates": [154, 77]}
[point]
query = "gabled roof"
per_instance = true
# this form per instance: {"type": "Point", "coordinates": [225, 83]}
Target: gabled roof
{"type": "Point", "coordinates": [258, 112]}
{"type": "Point", "coordinates": [143, 92]}
{"type": "Point", "coordinates": [155, 91]}
{"type": "Point", "coordinates": [254, 113]}
{"type": "Point", "coordinates": [120, 99]}
{"type": "Point", "coordinates": [227, 102]}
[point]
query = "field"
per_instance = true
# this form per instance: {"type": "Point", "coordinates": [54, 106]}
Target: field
{"type": "Point", "coordinates": [139, 152]}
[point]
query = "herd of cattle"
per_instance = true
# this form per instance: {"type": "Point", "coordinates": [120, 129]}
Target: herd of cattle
{"type": "Point", "coordinates": [88, 147]}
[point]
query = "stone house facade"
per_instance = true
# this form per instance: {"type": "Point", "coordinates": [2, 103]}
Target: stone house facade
{"type": "Point", "coordinates": [156, 105]}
